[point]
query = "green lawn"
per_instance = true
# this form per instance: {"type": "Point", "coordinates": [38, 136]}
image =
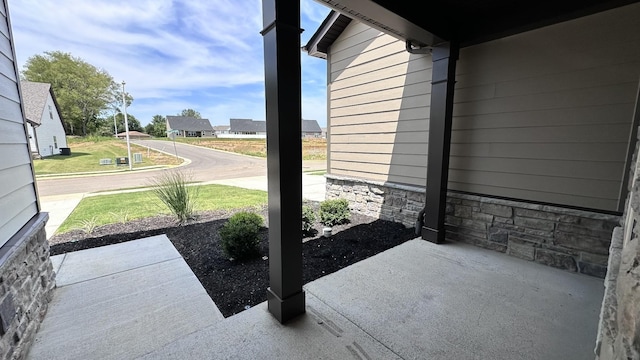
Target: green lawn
{"type": "Point", "coordinates": [86, 154]}
{"type": "Point", "coordinates": [113, 208]}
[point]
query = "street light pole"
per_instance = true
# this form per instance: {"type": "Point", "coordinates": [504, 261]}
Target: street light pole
{"type": "Point", "coordinates": [126, 126]}
{"type": "Point", "coordinates": [115, 125]}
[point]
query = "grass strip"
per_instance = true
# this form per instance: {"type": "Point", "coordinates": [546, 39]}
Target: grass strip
{"type": "Point", "coordinates": [101, 210]}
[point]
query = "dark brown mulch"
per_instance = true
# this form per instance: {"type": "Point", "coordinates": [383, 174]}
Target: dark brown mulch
{"type": "Point", "coordinates": [236, 286]}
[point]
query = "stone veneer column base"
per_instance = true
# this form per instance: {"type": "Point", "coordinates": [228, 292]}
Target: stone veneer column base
{"type": "Point", "coordinates": [27, 281]}
{"type": "Point", "coordinates": [574, 240]}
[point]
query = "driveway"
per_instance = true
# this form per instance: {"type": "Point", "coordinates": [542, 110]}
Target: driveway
{"type": "Point", "coordinates": [206, 165]}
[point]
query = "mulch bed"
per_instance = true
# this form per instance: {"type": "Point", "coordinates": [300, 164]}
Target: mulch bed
{"type": "Point", "coordinates": [236, 286]}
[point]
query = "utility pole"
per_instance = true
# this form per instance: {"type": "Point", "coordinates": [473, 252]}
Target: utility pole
{"type": "Point", "coordinates": [126, 126]}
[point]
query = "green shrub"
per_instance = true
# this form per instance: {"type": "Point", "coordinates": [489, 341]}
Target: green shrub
{"type": "Point", "coordinates": [173, 190]}
{"type": "Point", "coordinates": [334, 212]}
{"type": "Point", "coordinates": [308, 218]}
{"type": "Point", "coordinates": [239, 235]}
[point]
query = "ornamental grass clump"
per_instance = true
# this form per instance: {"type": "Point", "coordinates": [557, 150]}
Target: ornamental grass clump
{"type": "Point", "coordinates": [173, 190]}
{"type": "Point", "coordinates": [334, 212]}
{"type": "Point", "coordinates": [239, 235]}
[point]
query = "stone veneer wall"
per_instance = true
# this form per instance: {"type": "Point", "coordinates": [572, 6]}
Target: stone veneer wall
{"type": "Point", "coordinates": [619, 328]}
{"type": "Point", "coordinates": [569, 239]}
{"type": "Point", "coordinates": [26, 287]}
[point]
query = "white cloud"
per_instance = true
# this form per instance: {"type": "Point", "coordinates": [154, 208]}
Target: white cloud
{"type": "Point", "coordinates": [172, 54]}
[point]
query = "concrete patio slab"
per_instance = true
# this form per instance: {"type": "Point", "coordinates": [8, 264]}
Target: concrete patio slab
{"type": "Point", "coordinates": [321, 333]}
{"type": "Point", "coordinates": [415, 301]}
{"type": "Point", "coordinates": [124, 313]}
{"type": "Point", "coordinates": [457, 301]}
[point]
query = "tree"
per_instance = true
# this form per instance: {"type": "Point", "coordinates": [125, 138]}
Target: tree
{"type": "Point", "coordinates": [157, 127]}
{"type": "Point", "coordinates": [134, 124]}
{"type": "Point", "coordinates": [190, 113]}
{"type": "Point", "coordinates": [83, 91]}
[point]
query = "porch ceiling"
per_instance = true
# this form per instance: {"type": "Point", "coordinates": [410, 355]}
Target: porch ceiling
{"type": "Point", "coordinates": [467, 22]}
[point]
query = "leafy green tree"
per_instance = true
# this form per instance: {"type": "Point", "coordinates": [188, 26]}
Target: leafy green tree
{"type": "Point", "coordinates": [157, 127]}
{"type": "Point", "coordinates": [190, 113]}
{"type": "Point", "coordinates": [83, 91]}
{"type": "Point", "coordinates": [134, 124]}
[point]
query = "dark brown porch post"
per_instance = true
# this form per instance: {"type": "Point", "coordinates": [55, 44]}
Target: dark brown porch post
{"type": "Point", "coordinates": [444, 58]}
{"type": "Point", "coordinates": [281, 37]}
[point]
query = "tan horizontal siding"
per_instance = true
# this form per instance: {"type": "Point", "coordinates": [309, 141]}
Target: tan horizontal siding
{"type": "Point", "coordinates": [389, 138]}
{"type": "Point", "coordinates": [560, 134]}
{"type": "Point", "coordinates": [381, 127]}
{"type": "Point", "coordinates": [409, 102]}
{"type": "Point", "coordinates": [360, 86]}
{"type": "Point", "coordinates": [612, 152]}
{"type": "Point", "coordinates": [419, 113]}
{"type": "Point", "coordinates": [590, 115]}
{"type": "Point", "coordinates": [374, 158]}
{"type": "Point", "coordinates": [400, 91]}
{"type": "Point", "coordinates": [560, 168]}
{"type": "Point", "coordinates": [398, 179]}
{"type": "Point", "coordinates": [344, 72]}
{"type": "Point", "coordinates": [418, 149]}
{"type": "Point", "coordinates": [540, 196]}
{"type": "Point", "coordinates": [354, 48]}
{"type": "Point", "coordinates": [414, 66]}
{"type": "Point", "coordinates": [550, 184]}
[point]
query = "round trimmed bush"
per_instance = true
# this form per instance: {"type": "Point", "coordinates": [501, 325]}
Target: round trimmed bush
{"type": "Point", "coordinates": [239, 235]}
{"type": "Point", "coordinates": [334, 212]}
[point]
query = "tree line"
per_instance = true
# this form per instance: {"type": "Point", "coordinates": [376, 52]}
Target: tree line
{"type": "Point", "coordinates": [89, 99]}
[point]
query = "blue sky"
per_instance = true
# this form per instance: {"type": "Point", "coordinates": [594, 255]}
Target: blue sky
{"type": "Point", "coordinates": [173, 55]}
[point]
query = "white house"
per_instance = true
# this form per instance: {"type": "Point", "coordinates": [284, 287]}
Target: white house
{"type": "Point", "coordinates": [46, 133]}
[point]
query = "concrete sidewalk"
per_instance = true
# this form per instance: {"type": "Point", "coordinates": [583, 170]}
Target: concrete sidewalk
{"type": "Point", "coordinates": [415, 301]}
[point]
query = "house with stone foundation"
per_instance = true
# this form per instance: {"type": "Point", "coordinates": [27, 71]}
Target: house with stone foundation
{"type": "Point", "coordinates": [26, 273]}
{"type": "Point", "coordinates": [520, 140]}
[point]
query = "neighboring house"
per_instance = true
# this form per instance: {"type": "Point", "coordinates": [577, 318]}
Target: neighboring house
{"type": "Point", "coordinates": [189, 127]}
{"type": "Point", "coordinates": [324, 132]}
{"type": "Point", "coordinates": [520, 139]}
{"type": "Point", "coordinates": [46, 133]}
{"type": "Point", "coordinates": [311, 129]}
{"type": "Point", "coordinates": [137, 135]}
{"type": "Point", "coordinates": [248, 128]}
{"type": "Point", "coordinates": [220, 130]}
{"type": "Point", "coordinates": [25, 268]}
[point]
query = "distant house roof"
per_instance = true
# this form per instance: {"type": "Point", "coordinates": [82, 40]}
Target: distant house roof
{"type": "Point", "coordinates": [310, 126]}
{"type": "Point", "coordinates": [247, 126]}
{"type": "Point", "coordinates": [221, 127]}
{"type": "Point", "coordinates": [332, 26]}
{"type": "Point", "coordinates": [258, 126]}
{"type": "Point", "coordinates": [188, 123]}
{"type": "Point", "coordinates": [34, 97]}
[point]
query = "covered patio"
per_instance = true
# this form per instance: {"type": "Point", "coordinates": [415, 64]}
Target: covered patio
{"type": "Point", "coordinates": [418, 300]}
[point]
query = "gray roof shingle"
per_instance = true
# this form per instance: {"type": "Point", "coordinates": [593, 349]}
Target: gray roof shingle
{"type": "Point", "coordinates": [34, 97]}
{"type": "Point", "coordinates": [247, 125]}
{"type": "Point", "coordinates": [257, 126]}
{"type": "Point", "coordinates": [188, 123]}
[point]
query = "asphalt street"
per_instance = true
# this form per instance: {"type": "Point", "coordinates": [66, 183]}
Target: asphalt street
{"type": "Point", "coordinates": [205, 165]}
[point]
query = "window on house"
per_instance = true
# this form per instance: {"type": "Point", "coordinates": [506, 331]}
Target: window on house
{"type": "Point", "coordinates": [50, 113]}
{"type": "Point", "coordinates": [55, 142]}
